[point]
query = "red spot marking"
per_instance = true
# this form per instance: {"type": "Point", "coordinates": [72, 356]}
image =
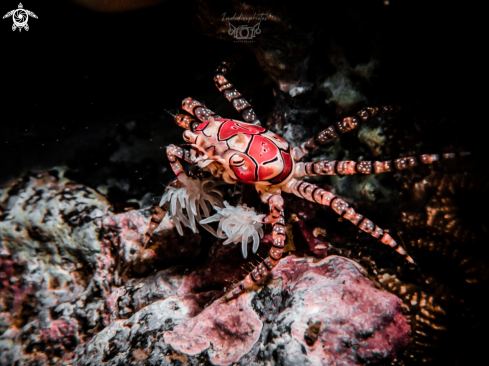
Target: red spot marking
{"type": "Point", "coordinates": [245, 172]}
{"type": "Point", "coordinates": [232, 128]}
{"type": "Point", "coordinates": [287, 168]}
{"type": "Point", "coordinates": [263, 150]}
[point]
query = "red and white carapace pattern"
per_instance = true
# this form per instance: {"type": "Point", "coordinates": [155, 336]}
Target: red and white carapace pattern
{"type": "Point", "coordinates": [245, 152]}
{"type": "Point", "coordinates": [254, 154]}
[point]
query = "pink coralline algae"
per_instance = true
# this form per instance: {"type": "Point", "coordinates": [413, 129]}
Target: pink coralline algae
{"type": "Point", "coordinates": [226, 332]}
{"type": "Point", "coordinates": [310, 313]}
{"type": "Point", "coordinates": [115, 301]}
{"type": "Point", "coordinates": [334, 315]}
{"type": "Point", "coordinates": [354, 322]}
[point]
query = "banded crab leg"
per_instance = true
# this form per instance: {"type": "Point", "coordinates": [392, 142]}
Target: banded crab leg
{"type": "Point", "coordinates": [276, 218]}
{"type": "Point", "coordinates": [156, 217]}
{"type": "Point", "coordinates": [197, 109]}
{"type": "Point", "coordinates": [234, 96]}
{"type": "Point", "coordinates": [334, 131]}
{"type": "Point", "coordinates": [313, 193]}
{"type": "Point", "coordinates": [173, 152]}
{"type": "Point", "coordinates": [334, 167]}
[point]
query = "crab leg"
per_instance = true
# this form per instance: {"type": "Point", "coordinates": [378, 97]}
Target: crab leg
{"type": "Point", "coordinates": [315, 194]}
{"type": "Point", "coordinates": [185, 121]}
{"type": "Point", "coordinates": [174, 152]}
{"type": "Point", "coordinates": [233, 95]}
{"type": "Point", "coordinates": [156, 218]}
{"type": "Point", "coordinates": [197, 109]}
{"type": "Point", "coordinates": [333, 131]}
{"type": "Point", "coordinates": [334, 167]}
{"type": "Point", "coordinates": [276, 218]}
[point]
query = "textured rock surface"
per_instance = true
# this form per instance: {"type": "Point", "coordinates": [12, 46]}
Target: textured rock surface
{"type": "Point", "coordinates": [67, 305]}
{"type": "Point", "coordinates": [49, 243]}
{"type": "Point", "coordinates": [306, 70]}
{"type": "Point", "coordinates": [333, 315]}
{"type": "Point", "coordinates": [60, 275]}
{"type": "Point", "coordinates": [311, 313]}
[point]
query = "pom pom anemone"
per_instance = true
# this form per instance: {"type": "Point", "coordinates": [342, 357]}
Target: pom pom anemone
{"type": "Point", "coordinates": [195, 196]}
{"type": "Point", "coordinates": [239, 223]}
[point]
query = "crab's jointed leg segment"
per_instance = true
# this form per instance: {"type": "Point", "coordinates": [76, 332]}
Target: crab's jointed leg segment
{"type": "Point", "coordinates": [333, 167]}
{"type": "Point", "coordinates": [174, 152]}
{"type": "Point", "coordinates": [276, 218]}
{"type": "Point", "coordinates": [198, 110]}
{"type": "Point", "coordinates": [156, 218]}
{"type": "Point", "coordinates": [333, 131]}
{"type": "Point", "coordinates": [234, 96]}
{"type": "Point", "coordinates": [186, 122]}
{"type": "Point", "coordinates": [315, 194]}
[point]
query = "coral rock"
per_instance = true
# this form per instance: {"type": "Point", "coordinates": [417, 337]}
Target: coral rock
{"type": "Point", "coordinates": [334, 314]}
{"type": "Point", "coordinates": [226, 331]}
{"type": "Point", "coordinates": [85, 306]}
{"type": "Point", "coordinates": [310, 313]}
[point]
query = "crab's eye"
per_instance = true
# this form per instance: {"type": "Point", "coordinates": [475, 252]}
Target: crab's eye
{"type": "Point", "coordinates": [189, 136]}
{"type": "Point", "coordinates": [237, 161]}
{"type": "Point", "coordinates": [243, 167]}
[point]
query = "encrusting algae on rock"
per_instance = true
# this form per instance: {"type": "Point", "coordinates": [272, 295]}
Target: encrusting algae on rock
{"type": "Point", "coordinates": [65, 305]}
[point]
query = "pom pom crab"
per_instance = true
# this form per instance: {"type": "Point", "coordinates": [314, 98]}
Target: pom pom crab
{"type": "Point", "coordinates": [244, 152]}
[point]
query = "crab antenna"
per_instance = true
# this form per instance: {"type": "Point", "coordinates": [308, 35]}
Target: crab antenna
{"type": "Point", "coordinates": [169, 113]}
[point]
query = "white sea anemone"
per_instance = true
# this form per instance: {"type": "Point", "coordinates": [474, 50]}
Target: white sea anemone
{"type": "Point", "coordinates": [195, 195]}
{"type": "Point", "coordinates": [239, 223]}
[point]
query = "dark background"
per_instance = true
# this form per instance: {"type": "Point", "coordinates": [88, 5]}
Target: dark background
{"type": "Point", "coordinates": [75, 74]}
{"type": "Point", "coordinates": [88, 90]}
{"type": "Point", "coordinates": [76, 77]}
